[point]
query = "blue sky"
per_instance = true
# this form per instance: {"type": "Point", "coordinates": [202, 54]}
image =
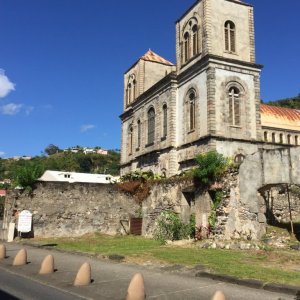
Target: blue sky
{"type": "Point", "coordinates": [62, 64]}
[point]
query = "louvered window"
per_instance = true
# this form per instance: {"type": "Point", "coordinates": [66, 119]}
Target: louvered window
{"type": "Point", "coordinates": [234, 107]}
{"type": "Point", "coordinates": [139, 128]}
{"type": "Point", "coordinates": [151, 125]}
{"type": "Point", "coordinates": [195, 39]}
{"type": "Point", "coordinates": [165, 120]}
{"type": "Point", "coordinates": [186, 47]}
{"type": "Point", "coordinates": [230, 36]}
{"type": "Point", "coordinates": [129, 93]}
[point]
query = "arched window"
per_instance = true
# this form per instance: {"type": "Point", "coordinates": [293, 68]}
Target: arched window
{"type": "Point", "coordinates": [289, 139]}
{"type": "Point", "coordinates": [273, 138]}
{"type": "Point", "coordinates": [130, 140]}
{"type": "Point", "coordinates": [165, 120]}
{"type": "Point", "coordinates": [151, 125]}
{"type": "Point", "coordinates": [186, 46]}
{"type": "Point", "coordinates": [234, 106]}
{"type": "Point", "coordinates": [129, 93]}
{"type": "Point", "coordinates": [192, 111]}
{"type": "Point", "coordinates": [265, 136]}
{"type": "Point", "coordinates": [296, 140]}
{"type": "Point", "coordinates": [195, 40]}
{"type": "Point", "coordinates": [281, 138]}
{"type": "Point", "coordinates": [139, 133]}
{"type": "Point", "coordinates": [134, 89]}
{"type": "Point", "coordinates": [229, 36]}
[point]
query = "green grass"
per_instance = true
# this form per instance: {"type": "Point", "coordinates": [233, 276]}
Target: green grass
{"type": "Point", "coordinates": [277, 266]}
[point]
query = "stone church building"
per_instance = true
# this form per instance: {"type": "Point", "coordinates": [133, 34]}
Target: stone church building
{"type": "Point", "coordinates": [209, 100]}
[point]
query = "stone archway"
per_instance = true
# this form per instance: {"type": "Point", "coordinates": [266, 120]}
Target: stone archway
{"type": "Point", "coordinates": [245, 209]}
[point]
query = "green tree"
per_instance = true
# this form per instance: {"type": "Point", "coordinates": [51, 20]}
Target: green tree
{"type": "Point", "coordinates": [52, 149]}
{"type": "Point", "coordinates": [27, 175]}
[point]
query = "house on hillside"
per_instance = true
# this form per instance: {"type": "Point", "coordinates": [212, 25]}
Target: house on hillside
{"type": "Point", "coordinates": [72, 177]}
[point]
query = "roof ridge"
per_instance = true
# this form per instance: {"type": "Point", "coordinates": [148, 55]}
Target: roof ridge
{"type": "Point", "coordinates": [154, 57]}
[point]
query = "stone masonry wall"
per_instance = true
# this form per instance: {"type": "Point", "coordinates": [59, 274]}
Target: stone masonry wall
{"type": "Point", "coordinates": [63, 209]}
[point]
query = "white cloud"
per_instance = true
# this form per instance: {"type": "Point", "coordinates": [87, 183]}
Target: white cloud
{"type": "Point", "coordinates": [10, 109]}
{"type": "Point", "coordinates": [2, 153]}
{"type": "Point", "coordinates": [86, 127]}
{"type": "Point", "coordinates": [6, 86]}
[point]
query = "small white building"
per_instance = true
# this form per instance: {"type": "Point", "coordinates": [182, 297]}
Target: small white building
{"type": "Point", "coordinates": [71, 177]}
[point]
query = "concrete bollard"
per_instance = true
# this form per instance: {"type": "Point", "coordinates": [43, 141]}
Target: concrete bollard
{"type": "Point", "coordinates": [218, 296]}
{"type": "Point", "coordinates": [83, 276]}
{"type": "Point", "coordinates": [47, 266]}
{"type": "Point", "coordinates": [136, 288]}
{"type": "Point", "coordinates": [20, 258]}
{"type": "Point", "coordinates": [2, 251]}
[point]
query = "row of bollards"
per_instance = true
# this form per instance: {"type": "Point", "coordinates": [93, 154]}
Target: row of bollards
{"type": "Point", "coordinates": [136, 288]}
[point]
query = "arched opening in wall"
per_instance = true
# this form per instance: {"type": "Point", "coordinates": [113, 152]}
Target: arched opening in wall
{"type": "Point", "coordinates": [187, 204]}
{"type": "Point", "coordinates": [289, 139]}
{"type": "Point", "coordinates": [296, 140]}
{"type": "Point", "coordinates": [273, 137]}
{"type": "Point", "coordinates": [281, 209]}
{"type": "Point", "coordinates": [281, 138]}
{"type": "Point", "coordinates": [265, 136]}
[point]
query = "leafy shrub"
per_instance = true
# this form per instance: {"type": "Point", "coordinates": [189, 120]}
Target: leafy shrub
{"type": "Point", "coordinates": [216, 198]}
{"type": "Point", "coordinates": [210, 167]}
{"type": "Point", "coordinates": [170, 227]}
{"type": "Point", "coordinates": [27, 175]}
{"type": "Point", "coordinates": [140, 175]}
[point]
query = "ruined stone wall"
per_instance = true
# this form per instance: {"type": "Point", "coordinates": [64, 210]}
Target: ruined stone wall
{"type": "Point", "coordinates": [63, 209]}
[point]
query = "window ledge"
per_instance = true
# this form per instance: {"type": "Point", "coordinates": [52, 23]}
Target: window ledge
{"type": "Point", "coordinates": [230, 52]}
{"type": "Point", "coordinates": [191, 131]}
{"type": "Point", "coordinates": [235, 126]}
{"type": "Point", "coordinates": [149, 145]}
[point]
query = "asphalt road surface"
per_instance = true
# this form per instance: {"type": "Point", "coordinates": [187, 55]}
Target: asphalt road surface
{"type": "Point", "coordinates": [110, 280]}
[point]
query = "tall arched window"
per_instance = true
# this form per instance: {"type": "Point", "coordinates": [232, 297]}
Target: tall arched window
{"type": "Point", "coordinates": [134, 89]}
{"type": "Point", "coordinates": [130, 140]}
{"type": "Point", "coordinates": [186, 46]}
{"type": "Point", "coordinates": [139, 133]}
{"type": "Point", "coordinates": [192, 111]}
{"type": "Point", "coordinates": [151, 125]}
{"type": "Point", "coordinates": [296, 140]}
{"type": "Point", "coordinates": [234, 106]}
{"type": "Point", "coordinates": [289, 139]}
{"type": "Point", "coordinates": [129, 91]}
{"type": "Point", "coordinates": [195, 40]}
{"type": "Point", "coordinates": [265, 136]}
{"type": "Point", "coordinates": [165, 120]}
{"type": "Point", "coordinates": [229, 36]}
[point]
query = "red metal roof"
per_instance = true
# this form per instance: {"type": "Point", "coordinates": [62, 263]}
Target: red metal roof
{"type": "Point", "coordinates": [151, 56]}
{"type": "Point", "coordinates": [281, 112]}
{"type": "Point", "coordinates": [2, 193]}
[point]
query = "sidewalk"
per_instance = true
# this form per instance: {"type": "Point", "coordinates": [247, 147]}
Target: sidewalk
{"type": "Point", "coordinates": [111, 279]}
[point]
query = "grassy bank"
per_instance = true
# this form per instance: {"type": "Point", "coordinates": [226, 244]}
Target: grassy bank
{"type": "Point", "coordinates": [277, 266]}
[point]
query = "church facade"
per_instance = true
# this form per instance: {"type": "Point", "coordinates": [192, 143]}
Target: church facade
{"type": "Point", "coordinates": [209, 100]}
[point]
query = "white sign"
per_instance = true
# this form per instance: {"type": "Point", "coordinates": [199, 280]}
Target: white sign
{"type": "Point", "coordinates": [25, 221]}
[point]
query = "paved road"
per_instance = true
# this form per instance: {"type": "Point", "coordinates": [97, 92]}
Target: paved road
{"type": "Point", "coordinates": [110, 280]}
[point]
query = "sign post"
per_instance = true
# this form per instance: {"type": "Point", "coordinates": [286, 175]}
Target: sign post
{"type": "Point", "coordinates": [25, 221]}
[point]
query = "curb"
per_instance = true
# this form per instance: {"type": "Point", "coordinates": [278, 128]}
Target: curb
{"type": "Point", "coordinates": [252, 283]}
